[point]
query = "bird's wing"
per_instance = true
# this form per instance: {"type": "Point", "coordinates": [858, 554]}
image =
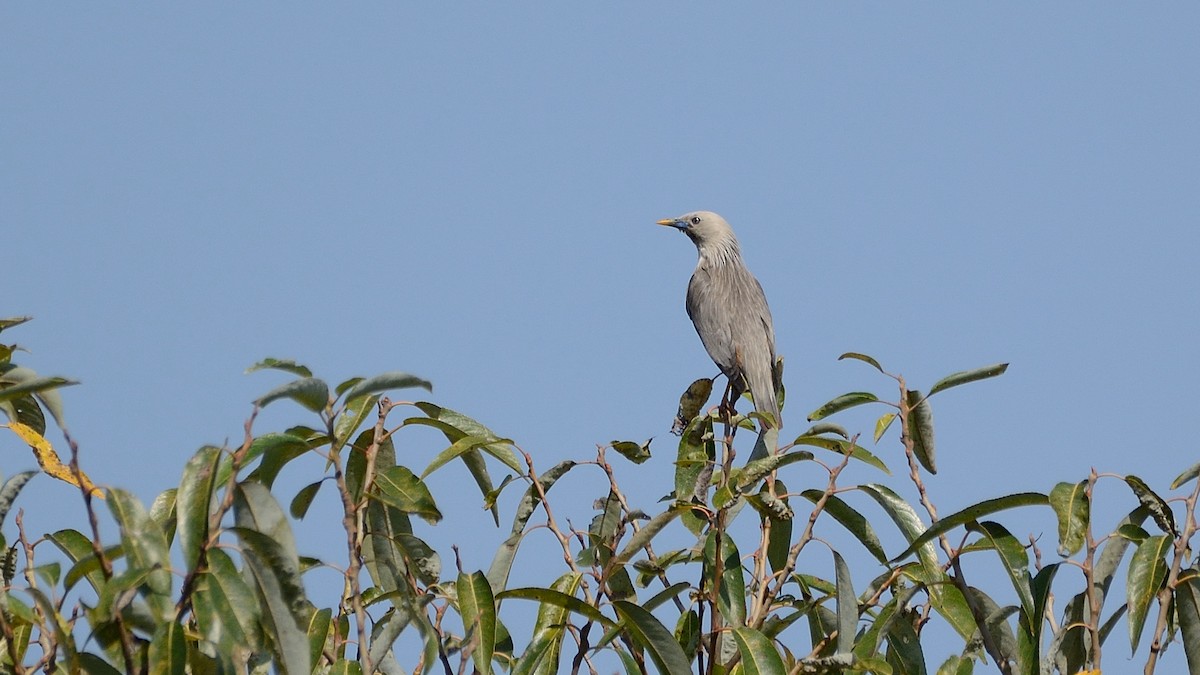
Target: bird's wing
{"type": "Point", "coordinates": [754, 333]}
{"type": "Point", "coordinates": [715, 330]}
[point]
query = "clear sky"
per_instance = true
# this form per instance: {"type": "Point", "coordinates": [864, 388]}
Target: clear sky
{"type": "Point", "coordinates": [468, 192]}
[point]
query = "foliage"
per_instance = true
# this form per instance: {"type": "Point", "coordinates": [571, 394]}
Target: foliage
{"type": "Point", "coordinates": [208, 578]}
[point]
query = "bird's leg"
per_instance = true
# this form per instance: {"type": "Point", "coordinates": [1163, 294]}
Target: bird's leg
{"type": "Point", "coordinates": [726, 408]}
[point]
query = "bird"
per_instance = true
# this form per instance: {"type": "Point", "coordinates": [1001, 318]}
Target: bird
{"type": "Point", "coordinates": [729, 310]}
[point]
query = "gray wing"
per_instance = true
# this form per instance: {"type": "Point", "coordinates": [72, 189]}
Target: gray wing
{"type": "Point", "coordinates": [755, 330]}
{"type": "Point", "coordinates": [714, 325]}
{"type": "Point", "coordinates": [729, 309]}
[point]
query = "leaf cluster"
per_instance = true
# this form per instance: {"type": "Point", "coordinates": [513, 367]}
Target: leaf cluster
{"type": "Point", "coordinates": [209, 578]}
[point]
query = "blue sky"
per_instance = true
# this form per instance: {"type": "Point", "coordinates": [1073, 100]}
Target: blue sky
{"type": "Point", "coordinates": [469, 193]}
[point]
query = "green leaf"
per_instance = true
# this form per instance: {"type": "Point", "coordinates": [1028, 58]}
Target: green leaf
{"type": "Point", "coordinates": [847, 605]}
{"type": "Point", "coordinates": [277, 450]}
{"type": "Point", "coordinates": [603, 529]}
{"type": "Point", "coordinates": [381, 552]}
{"type": "Point", "coordinates": [946, 599]}
{"type": "Point", "coordinates": [920, 428]}
{"type": "Point", "coordinates": [424, 562]}
{"type": "Point", "coordinates": [162, 512]}
{"type": "Point", "coordinates": [456, 425]}
{"type": "Point", "coordinates": [972, 514]}
{"type": "Point", "coordinates": [759, 655]}
{"type": "Point", "coordinates": [864, 358]}
{"type": "Point", "coordinates": [827, 428]}
{"type": "Point", "coordinates": [145, 548]}
{"type": "Point", "coordinates": [634, 452]}
{"type": "Point", "coordinates": [905, 518]}
{"type": "Point", "coordinates": [168, 650]}
{"type": "Point", "coordinates": [850, 519]}
{"type": "Point", "coordinates": [12, 488]}
{"type": "Point", "coordinates": [756, 470]}
{"type": "Point", "coordinates": [308, 392]}
{"type": "Point", "coordinates": [351, 417]}
{"type": "Point", "coordinates": [1147, 571]}
{"type": "Point", "coordinates": [692, 402]}
{"type": "Point", "coordinates": [274, 572]}
{"type": "Point", "coordinates": [882, 424]}
{"type": "Point", "coordinates": [30, 386]}
{"type": "Point", "coordinates": [905, 653]}
{"type": "Point", "coordinates": [269, 550]}
{"type": "Point", "coordinates": [647, 532]}
{"type": "Point", "coordinates": [254, 507]}
{"type": "Point", "coordinates": [666, 594]}
{"type": "Point", "coordinates": [1031, 624]}
{"type": "Point", "coordinates": [386, 382]}
{"type": "Point", "coordinates": [731, 593]}
{"type": "Point", "coordinates": [687, 633]}
{"type": "Point", "coordinates": [694, 466]}
{"type": "Point", "coordinates": [11, 321]}
{"type": "Point", "coordinates": [356, 462]}
{"type": "Point", "coordinates": [821, 624]}
{"type": "Point", "coordinates": [506, 553]}
{"type": "Point", "coordinates": [1187, 604]}
{"type": "Point", "coordinates": [52, 400]}
{"type": "Point", "coordinates": [968, 376]}
{"type": "Point", "coordinates": [304, 499]}
{"type": "Point", "coordinates": [25, 409]}
{"type": "Point", "coordinates": [399, 488]}
{"type": "Point", "coordinates": [456, 420]}
{"type": "Point", "coordinates": [58, 626]}
{"type": "Point", "coordinates": [286, 365]}
{"type": "Point", "coordinates": [780, 542]}
{"type": "Point", "coordinates": [850, 400]}
{"type": "Point", "coordinates": [658, 642]}
{"type": "Point", "coordinates": [226, 611]}
{"type": "Point", "coordinates": [478, 609]}
{"type": "Point", "coordinates": [545, 646]}
{"type": "Point", "coordinates": [842, 447]}
{"type": "Point", "coordinates": [880, 628]}
{"type": "Point", "coordinates": [78, 549]}
{"type": "Point", "coordinates": [344, 667]}
{"type": "Point", "coordinates": [1188, 475]}
{"type": "Point", "coordinates": [957, 665]}
{"type": "Point", "coordinates": [1157, 506]}
{"type": "Point", "coordinates": [1111, 555]}
{"type": "Point", "coordinates": [558, 599]}
{"type": "Point", "coordinates": [1013, 557]}
{"type": "Point", "coordinates": [345, 385]}
{"type": "Point", "coordinates": [193, 502]}
{"type": "Point", "coordinates": [407, 609]}
{"type": "Point", "coordinates": [1071, 505]}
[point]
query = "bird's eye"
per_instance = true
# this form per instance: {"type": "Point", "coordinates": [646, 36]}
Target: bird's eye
{"type": "Point", "coordinates": [695, 220]}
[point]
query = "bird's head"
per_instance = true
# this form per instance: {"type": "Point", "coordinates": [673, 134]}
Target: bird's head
{"type": "Point", "coordinates": [706, 229]}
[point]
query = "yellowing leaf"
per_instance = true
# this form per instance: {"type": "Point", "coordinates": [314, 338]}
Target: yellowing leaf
{"type": "Point", "coordinates": [48, 459]}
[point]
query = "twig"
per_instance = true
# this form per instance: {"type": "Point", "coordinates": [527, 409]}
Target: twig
{"type": "Point", "coordinates": [769, 593]}
{"type": "Point", "coordinates": [1164, 596]}
{"type": "Point", "coordinates": [989, 641]}
{"type": "Point", "coordinates": [127, 649]}
{"type": "Point", "coordinates": [1093, 592]}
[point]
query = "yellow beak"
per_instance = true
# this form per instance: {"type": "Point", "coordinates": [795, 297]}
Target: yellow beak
{"type": "Point", "coordinates": [669, 222]}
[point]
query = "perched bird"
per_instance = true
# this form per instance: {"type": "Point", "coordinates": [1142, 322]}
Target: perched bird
{"type": "Point", "coordinates": [729, 309]}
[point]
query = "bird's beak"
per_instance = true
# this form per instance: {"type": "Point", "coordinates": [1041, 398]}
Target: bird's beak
{"type": "Point", "coordinates": [669, 222]}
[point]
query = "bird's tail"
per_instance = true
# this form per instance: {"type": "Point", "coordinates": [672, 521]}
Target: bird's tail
{"type": "Point", "coordinates": [772, 385]}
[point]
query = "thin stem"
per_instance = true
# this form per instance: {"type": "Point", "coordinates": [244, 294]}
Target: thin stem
{"type": "Point", "coordinates": [1164, 596]}
{"type": "Point", "coordinates": [127, 649]}
{"type": "Point", "coordinates": [914, 472]}
{"type": "Point", "coordinates": [769, 593]}
{"type": "Point", "coordinates": [1093, 591]}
